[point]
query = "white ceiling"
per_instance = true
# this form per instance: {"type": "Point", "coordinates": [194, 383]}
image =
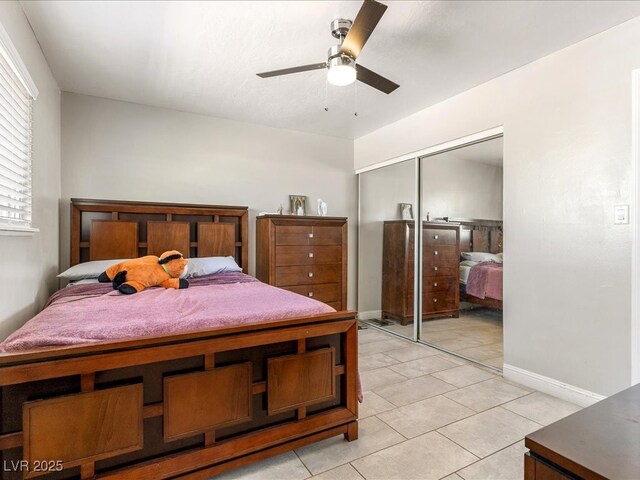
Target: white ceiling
{"type": "Point", "coordinates": [202, 57]}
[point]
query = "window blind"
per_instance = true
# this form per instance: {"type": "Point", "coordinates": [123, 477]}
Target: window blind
{"type": "Point", "coordinates": [15, 147]}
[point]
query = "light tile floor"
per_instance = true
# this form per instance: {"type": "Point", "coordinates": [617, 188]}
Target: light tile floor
{"type": "Point", "coordinates": [476, 334]}
{"type": "Point", "coordinates": [426, 415]}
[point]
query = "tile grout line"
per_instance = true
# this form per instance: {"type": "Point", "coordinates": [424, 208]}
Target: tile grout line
{"type": "Point", "coordinates": [488, 456]}
{"type": "Point", "coordinates": [303, 464]}
{"type": "Point", "coordinates": [499, 404]}
{"type": "Point", "coordinates": [435, 429]}
{"type": "Point", "coordinates": [464, 448]}
{"type": "Point", "coordinates": [455, 388]}
{"type": "Point", "coordinates": [365, 455]}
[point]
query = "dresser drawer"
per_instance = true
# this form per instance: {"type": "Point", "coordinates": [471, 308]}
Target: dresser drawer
{"type": "Point", "coordinates": [439, 284]}
{"type": "Point", "coordinates": [441, 256]}
{"type": "Point", "coordinates": [311, 255]}
{"type": "Point", "coordinates": [440, 271]}
{"type": "Point", "coordinates": [308, 235]}
{"type": "Point", "coordinates": [324, 292]}
{"type": "Point", "coordinates": [308, 275]}
{"type": "Point", "coordinates": [326, 236]}
{"type": "Point", "coordinates": [293, 234]}
{"type": "Point", "coordinates": [433, 302]}
{"type": "Point", "coordinates": [439, 301]}
{"type": "Point", "coordinates": [436, 284]}
{"type": "Point", "coordinates": [436, 237]}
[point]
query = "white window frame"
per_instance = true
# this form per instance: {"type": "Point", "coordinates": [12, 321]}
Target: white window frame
{"type": "Point", "coordinates": [10, 54]}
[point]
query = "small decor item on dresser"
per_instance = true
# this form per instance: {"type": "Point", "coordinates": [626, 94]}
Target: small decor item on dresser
{"type": "Point", "coordinates": [406, 211]}
{"type": "Point", "coordinates": [322, 208]}
{"type": "Point", "coordinates": [297, 204]}
{"type": "Point", "coordinates": [280, 209]}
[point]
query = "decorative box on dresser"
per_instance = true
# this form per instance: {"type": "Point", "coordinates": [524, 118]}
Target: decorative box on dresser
{"type": "Point", "coordinates": [440, 270]}
{"type": "Point", "coordinates": [305, 255]}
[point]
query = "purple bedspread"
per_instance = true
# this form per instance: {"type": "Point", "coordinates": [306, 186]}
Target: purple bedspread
{"type": "Point", "coordinates": [95, 312]}
{"type": "Point", "coordinates": [485, 280]}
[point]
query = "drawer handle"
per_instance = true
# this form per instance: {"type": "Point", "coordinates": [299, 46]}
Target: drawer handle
{"type": "Point", "coordinates": [436, 252]}
{"type": "Point", "coordinates": [311, 294]}
{"type": "Point", "coordinates": [310, 274]}
{"type": "Point", "coordinates": [311, 235]}
{"type": "Point", "coordinates": [435, 237]}
{"type": "Point", "coordinates": [435, 300]}
{"type": "Point", "coordinates": [435, 269]}
{"type": "Point", "coordinates": [435, 284]}
{"type": "Point", "coordinates": [311, 255]}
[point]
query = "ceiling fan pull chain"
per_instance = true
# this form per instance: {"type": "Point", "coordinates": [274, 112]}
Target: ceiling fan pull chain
{"type": "Point", "coordinates": [326, 95]}
{"type": "Point", "coordinates": [355, 99]}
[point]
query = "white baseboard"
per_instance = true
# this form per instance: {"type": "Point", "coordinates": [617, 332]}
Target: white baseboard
{"type": "Point", "coordinates": [550, 386]}
{"type": "Point", "coordinates": [370, 315]}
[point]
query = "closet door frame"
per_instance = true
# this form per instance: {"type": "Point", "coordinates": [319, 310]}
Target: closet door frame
{"type": "Point", "coordinates": [634, 217]}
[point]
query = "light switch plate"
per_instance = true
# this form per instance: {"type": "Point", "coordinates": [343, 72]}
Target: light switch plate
{"type": "Point", "coordinates": [620, 214]}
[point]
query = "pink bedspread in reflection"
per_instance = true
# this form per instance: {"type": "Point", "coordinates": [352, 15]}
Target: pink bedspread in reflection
{"type": "Point", "coordinates": [485, 280]}
{"type": "Point", "coordinates": [95, 312]}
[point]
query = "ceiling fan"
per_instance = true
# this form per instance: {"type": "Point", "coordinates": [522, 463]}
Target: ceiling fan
{"type": "Point", "coordinates": [341, 65]}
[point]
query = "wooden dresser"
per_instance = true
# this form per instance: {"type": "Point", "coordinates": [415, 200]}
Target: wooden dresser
{"type": "Point", "coordinates": [440, 270]}
{"type": "Point", "coordinates": [305, 255]}
{"type": "Point", "coordinates": [598, 442]}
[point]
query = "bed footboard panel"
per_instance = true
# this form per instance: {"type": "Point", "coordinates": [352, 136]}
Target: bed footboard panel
{"type": "Point", "coordinates": [187, 409]}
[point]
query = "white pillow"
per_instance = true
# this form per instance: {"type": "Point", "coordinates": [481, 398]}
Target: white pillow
{"type": "Point", "coordinates": [468, 263]}
{"type": "Point", "coordinates": [198, 267]}
{"type": "Point", "coordinates": [88, 269]}
{"type": "Point", "coordinates": [481, 257]}
{"type": "Point", "coordinates": [86, 281]}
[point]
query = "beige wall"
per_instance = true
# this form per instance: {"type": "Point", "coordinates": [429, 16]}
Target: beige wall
{"type": "Point", "coordinates": [380, 193]}
{"type": "Point", "coordinates": [453, 187]}
{"type": "Point", "coordinates": [30, 263]}
{"type": "Point", "coordinates": [124, 151]}
{"type": "Point", "coordinates": [567, 162]}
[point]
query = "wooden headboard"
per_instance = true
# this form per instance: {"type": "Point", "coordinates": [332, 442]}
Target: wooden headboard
{"type": "Point", "coordinates": [106, 229]}
{"type": "Point", "coordinates": [478, 235]}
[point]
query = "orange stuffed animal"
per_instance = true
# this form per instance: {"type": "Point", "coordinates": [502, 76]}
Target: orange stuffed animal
{"type": "Point", "coordinates": [135, 275]}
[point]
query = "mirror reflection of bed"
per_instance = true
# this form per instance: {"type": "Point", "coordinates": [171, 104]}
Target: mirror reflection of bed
{"type": "Point", "coordinates": [473, 328]}
{"type": "Point", "coordinates": [477, 332]}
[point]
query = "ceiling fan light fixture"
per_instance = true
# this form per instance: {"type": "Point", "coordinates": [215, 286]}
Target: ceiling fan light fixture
{"type": "Point", "coordinates": [342, 71]}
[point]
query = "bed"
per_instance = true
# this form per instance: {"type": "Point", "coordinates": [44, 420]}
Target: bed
{"type": "Point", "coordinates": [188, 400]}
{"type": "Point", "coordinates": [481, 245]}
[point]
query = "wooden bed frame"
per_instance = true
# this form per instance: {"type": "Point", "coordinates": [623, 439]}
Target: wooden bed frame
{"type": "Point", "coordinates": [190, 405]}
{"type": "Point", "coordinates": [478, 235]}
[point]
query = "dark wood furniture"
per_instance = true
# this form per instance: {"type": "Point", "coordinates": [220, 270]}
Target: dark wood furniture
{"type": "Point", "coordinates": [440, 271]}
{"type": "Point", "coordinates": [104, 229]}
{"type": "Point", "coordinates": [305, 255]}
{"type": "Point", "coordinates": [478, 235]}
{"type": "Point", "coordinates": [600, 442]}
{"type": "Point", "coordinates": [188, 405]}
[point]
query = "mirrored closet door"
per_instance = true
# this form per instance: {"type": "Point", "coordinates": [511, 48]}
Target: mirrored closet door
{"type": "Point", "coordinates": [462, 242]}
{"type": "Point", "coordinates": [434, 225]}
{"type": "Point", "coordinates": [386, 280]}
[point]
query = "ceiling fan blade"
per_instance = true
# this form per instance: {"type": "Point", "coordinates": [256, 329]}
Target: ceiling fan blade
{"type": "Point", "coordinates": [368, 17]}
{"type": "Point", "coordinates": [287, 71]}
{"type": "Point", "coordinates": [374, 80]}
